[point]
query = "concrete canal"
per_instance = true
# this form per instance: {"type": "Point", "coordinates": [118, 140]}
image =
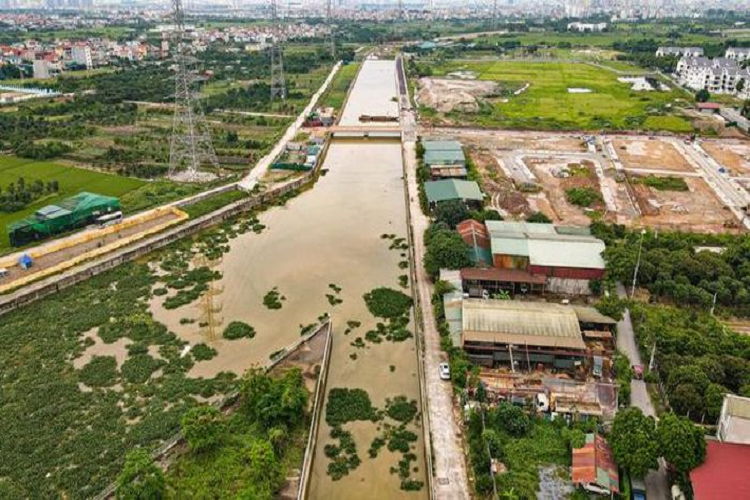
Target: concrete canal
{"type": "Point", "coordinates": [325, 239]}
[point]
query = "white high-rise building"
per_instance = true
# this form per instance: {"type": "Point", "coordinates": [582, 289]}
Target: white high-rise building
{"type": "Point", "coordinates": [81, 54]}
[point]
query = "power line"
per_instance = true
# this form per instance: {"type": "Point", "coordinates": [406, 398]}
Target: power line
{"type": "Point", "coordinates": [278, 80]}
{"type": "Point", "coordinates": [190, 145]}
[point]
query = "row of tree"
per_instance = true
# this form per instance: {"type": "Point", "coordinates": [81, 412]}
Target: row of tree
{"type": "Point", "coordinates": [637, 442]}
{"type": "Point", "coordinates": [18, 195]}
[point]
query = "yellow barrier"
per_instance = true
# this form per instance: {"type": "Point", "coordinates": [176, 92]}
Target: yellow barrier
{"type": "Point", "coordinates": [73, 241]}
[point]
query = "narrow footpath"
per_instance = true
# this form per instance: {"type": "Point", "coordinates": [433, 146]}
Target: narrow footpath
{"type": "Point", "coordinates": [449, 465]}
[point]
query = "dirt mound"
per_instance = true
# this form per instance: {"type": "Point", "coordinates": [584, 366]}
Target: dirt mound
{"type": "Point", "coordinates": [447, 95]}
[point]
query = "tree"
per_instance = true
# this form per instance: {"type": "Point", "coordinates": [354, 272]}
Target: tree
{"type": "Point", "coordinates": [140, 478]}
{"type": "Point", "coordinates": [702, 95]}
{"type": "Point", "coordinates": [202, 427]}
{"type": "Point", "coordinates": [740, 85]}
{"type": "Point", "coordinates": [451, 212]}
{"type": "Point", "coordinates": [681, 443]}
{"type": "Point", "coordinates": [685, 385]}
{"type": "Point", "coordinates": [272, 401]}
{"type": "Point", "coordinates": [633, 441]}
{"type": "Point", "coordinates": [446, 250]}
{"type": "Point", "coordinates": [512, 419]}
{"type": "Point", "coordinates": [713, 400]}
{"type": "Point", "coordinates": [746, 109]}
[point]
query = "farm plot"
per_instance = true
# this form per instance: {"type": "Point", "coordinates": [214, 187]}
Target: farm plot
{"type": "Point", "coordinates": [71, 180]}
{"type": "Point", "coordinates": [562, 96]}
{"type": "Point", "coordinates": [656, 155]}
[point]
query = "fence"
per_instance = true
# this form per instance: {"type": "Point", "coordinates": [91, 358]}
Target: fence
{"type": "Point", "coordinates": [317, 411]}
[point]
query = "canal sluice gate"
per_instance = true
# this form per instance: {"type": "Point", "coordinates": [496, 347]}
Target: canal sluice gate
{"type": "Point", "coordinates": [322, 252]}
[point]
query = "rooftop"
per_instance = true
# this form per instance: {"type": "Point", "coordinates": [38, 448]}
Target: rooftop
{"type": "Point", "coordinates": [594, 464]}
{"type": "Point", "coordinates": [443, 156]}
{"type": "Point", "coordinates": [515, 322]}
{"type": "Point", "coordinates": [452, 189]}
{"type": "Point", "coordinates": [724, 472]}
{"type": "Point", "coordinates": [441, 145]}
{"type": "Point", "coordinates": [546, 244]}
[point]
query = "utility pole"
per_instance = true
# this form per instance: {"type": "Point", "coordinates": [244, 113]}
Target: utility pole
{"type": "Point", "coordinates": [190, 145]}
{"type": "Point", "coordinates": [494, 14]}
{"type": "Point", "coordinates": [637, 264]}
{"type": "Point", "coordinates": [278, 80]}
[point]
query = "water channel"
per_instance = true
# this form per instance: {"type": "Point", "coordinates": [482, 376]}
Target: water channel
{"type": "Point", "coordinates": [328, 235]}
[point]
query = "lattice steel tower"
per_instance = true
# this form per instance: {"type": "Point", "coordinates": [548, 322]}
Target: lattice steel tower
{"type": "Point", "coordinates": [278, 80]}
{"type": "Point", "coordinates": [331, 29]}
{"type": "Point", "coordinates": [190, 146]}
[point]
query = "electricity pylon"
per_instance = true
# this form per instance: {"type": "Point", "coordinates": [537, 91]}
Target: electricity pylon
{"type": "Point", "coordinates": [278, 80]}
{"type": "Point", "coordinates": [190, 146]}
{"type": "Point", "coordinates": [331, 29]}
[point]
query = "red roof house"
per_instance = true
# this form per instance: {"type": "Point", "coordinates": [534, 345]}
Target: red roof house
{"type": "Point", "coordinates": [594, 466]}
{"type": "Point", "coordinates": [724, 474]}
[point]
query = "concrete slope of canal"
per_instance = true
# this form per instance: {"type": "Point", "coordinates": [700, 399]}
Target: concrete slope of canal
{"type": "Point", "coordinates": [330, 235]}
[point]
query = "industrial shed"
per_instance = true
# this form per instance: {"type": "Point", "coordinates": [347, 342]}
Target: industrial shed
{"type": "Point", "coordinates": [505, 331]}
{"type": "Point", "coordinates": [453, 189]}
{"type": "Point", "coordinates": [71, 213]}
{"type": "Point", "coordinates": [568, 257]}
{"type": "Point", "coordinates": [445, 158]}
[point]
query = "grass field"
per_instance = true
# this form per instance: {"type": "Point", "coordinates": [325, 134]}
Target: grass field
{"type": "Point", "coordinates": [547, 104]}
{"type": "Point", "coordinates": [336, 93]}
{"type": "Point", "coordinates": [72, 181]}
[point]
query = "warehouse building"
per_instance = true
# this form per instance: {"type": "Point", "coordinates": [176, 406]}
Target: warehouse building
{"type": "Point", "coordinates": [453, 189]}
{"type": "Point", "coordinates": [568, 258]}
{"type": "Point", "coordinates": [71, 213]}
{"type": "Point", "coordinates": [521, 334]}
{"type": "Point", "coordinates": [445, 159]}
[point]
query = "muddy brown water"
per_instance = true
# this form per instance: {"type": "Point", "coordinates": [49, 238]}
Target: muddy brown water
{"type": "Point", "coordinates": [328, 235]}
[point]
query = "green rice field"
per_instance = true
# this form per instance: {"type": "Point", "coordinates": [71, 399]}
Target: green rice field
{"type": "Point", "coordinates": [548, 105]}
{"type": "Point", "coordinates": [72, 181]}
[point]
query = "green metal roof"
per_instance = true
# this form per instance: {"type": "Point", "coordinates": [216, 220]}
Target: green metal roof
{"type": "Point", "coordinates": [444, 157]}
{"type": "Point", "coordinates": [452, 189]}
{"type": "Point", "coordinates": [441, 145]}
{"type": "Point", "coordinates": [546, 244]}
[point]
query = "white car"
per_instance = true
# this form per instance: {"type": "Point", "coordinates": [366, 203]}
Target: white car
{"type": "Point", "coordinates": [445, 371]}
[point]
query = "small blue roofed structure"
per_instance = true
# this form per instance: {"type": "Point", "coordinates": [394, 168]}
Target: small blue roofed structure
{"type": "Point", "coordinates": [25, 261]}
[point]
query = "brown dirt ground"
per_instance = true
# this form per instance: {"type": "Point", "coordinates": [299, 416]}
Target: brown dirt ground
{"type": "Point", "coordinates": [733, 155]}
{"type": "Point", "coordinates": [696, 210]}
{"type": "Point", "coordinates": [513, 142]}
{"type": "Point", "coordinates": [651, 154]}
{"type": "Point", "coordinates": [499, 188]}
{"type": "Point", "coordinates": [554, 188]}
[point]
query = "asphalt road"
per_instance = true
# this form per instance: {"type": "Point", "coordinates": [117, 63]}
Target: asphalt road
{"type": "Point", "coordinates": [657, 487]}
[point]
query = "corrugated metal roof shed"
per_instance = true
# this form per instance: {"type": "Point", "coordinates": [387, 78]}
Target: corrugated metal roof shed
{"type": "Point", "coordinates": [441, 145]}
{"type": "Point", "coordinates": [723, 474]}
{"type": "Point", "coordinates": [546, 244]}
{"type": "Point", "coordinates": [444, 157]}
{"type": "Point", "coordinates": [452, 189]}
{"type": "Point", "coordinates": [514, 322]}
{"type": "Point", "coordinates": [591, 315]}
{"type": "Point", "coordinates": [594, 464]}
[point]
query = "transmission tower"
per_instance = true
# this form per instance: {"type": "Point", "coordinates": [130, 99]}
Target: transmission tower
{"type": "Point", "coordinates": [278, 81]}
{"type": "Point", "coordinates": [331, 29]}
{"type": "Point", "coordinates": [190, 146]}
{"type": "Point", "coordinates": [209, 318]}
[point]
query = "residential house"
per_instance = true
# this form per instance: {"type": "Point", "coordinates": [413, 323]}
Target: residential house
{"type": "Point", "coordinates": [679, 51]}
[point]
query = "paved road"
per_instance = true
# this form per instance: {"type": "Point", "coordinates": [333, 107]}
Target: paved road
{"type": "Point", "coordinates": [449, 464]}
{"type": "Point", "coordinates": [260, 168]}
{"type": "Point", "coordinates": [657, 487]}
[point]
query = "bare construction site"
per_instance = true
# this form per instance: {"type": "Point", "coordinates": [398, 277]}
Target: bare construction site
{"type": "Point", "coordinates": [639, 181]}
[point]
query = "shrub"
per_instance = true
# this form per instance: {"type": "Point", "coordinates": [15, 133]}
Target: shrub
{"type": "Point", "coordinates": [582, 197]}
{"type": "Point", "coordinates": [137, 369]}
{"type": "Point", "coordinates": [202, 352]}
{"type": "Point", "coordinates": [347, 405]}
{"type": "Point", "coordinates": [237, 330]}
{"type": "Point", "coordinates": [101, 371]}
{"type": "Point", "coordinates": [388, 303]}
